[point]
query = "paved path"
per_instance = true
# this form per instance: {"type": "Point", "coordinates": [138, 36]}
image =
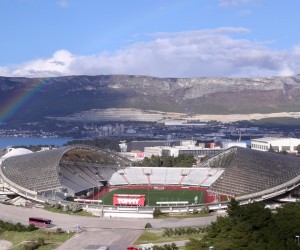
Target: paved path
{"type": "Point", "coordinates": [95, 231]}
{"type": "Point", "coordinates": [5, 245]}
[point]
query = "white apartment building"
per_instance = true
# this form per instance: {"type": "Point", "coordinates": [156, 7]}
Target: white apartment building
{"type": "Point", "coordinates": [278, 144]}
{"type": "Point", "coordinates": [177, 150]}
{"type": "Point", "coordinates": [156, 151]}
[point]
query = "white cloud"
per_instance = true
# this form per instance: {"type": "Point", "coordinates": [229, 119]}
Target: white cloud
{"type": "Point", "coordinates": [4, 71]}
{"type": "Point", "coordinates": [184, 54]}
{"type": "Point", "coordinates": [57, 65]}
{"type": "Point", "coordinates": [63, 4]}
{"type": "Point", "coordinates": [233, 3]}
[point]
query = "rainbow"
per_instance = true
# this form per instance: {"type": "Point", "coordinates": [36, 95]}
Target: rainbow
{"type": "Point", "coordinates": [17, 101]}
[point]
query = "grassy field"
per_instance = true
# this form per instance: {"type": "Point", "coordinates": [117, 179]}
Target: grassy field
{"type": "Point", "coordinates": [60, 211]}
{"type": "Point", "coordinates": [156, 237]}
{"type": "Point", "coordinates": [52, 239]}
{"type": "Point", "coordinates": [153, 196]}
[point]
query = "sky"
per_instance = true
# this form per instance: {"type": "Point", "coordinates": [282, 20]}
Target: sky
{"type": "Point", "coordinates": [161, 38]}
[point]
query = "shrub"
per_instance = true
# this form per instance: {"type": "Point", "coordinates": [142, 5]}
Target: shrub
{"type": "Point", "coordinates": [30, 245]}
{"type": "Point", "coordinates": [20, 228]}
{"type": "Point", "coordinates": [167, 232]}
{"type": "Point", "coordinates": [189, 230]}
{"type": "Point", "coordinates": [59, 230]}
{"type": "Point", "coordinates": [166, 247]}
{"type": "Point", "coordinates": [156, 212]}
{"type": "Point", "coordinates": [148, 225]}
{"type": "Point", "coordinates": [41, 241]}
{"type": "Point", "coordinates": [31, 227]}
{"type": "Point", "coordinates": [57, 205]}
{"type": "Point", "coordinates": [15, 227]}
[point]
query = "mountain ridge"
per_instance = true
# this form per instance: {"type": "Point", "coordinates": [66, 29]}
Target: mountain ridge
{"type": "Point", "coordinates": [62, 96]}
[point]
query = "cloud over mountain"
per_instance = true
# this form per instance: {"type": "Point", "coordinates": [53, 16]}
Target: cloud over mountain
{"type": "Point", "coordinates": [214, 52]}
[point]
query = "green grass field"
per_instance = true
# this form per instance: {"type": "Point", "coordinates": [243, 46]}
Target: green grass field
{"type": "Point", "coordinates": [52, 239]}
{"type": "Point", "coordinates": [153, 196]}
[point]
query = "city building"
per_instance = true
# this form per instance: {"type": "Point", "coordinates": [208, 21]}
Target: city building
{"type": "Point", "coordinates": [277, 144]}
{"type": "Point", "coordinates": [196, 151]}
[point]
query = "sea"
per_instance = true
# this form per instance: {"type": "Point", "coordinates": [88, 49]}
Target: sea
{"type": "Point", "coordinates": [6, 142]}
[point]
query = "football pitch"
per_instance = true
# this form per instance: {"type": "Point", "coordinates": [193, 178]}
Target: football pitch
{"type": "Point", "coordinates": [153, 196]}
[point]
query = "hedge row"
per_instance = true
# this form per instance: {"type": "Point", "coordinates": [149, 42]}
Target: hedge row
{"type": "Point", "coordinates": [16, 227]}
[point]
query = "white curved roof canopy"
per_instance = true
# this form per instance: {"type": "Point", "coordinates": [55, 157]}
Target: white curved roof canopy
{"type": "Point", "coordinates": [16, 152]}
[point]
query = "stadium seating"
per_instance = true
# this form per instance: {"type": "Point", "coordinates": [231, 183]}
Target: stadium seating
{"type": "Point", "coordinates": [71, 170]}
{"type": "Point", "coordinates": [250, 171]}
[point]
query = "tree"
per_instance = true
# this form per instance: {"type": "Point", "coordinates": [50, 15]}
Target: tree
{"type": "Point", "coordinates": [252, 227]}
{"type": "Point", "coordinates": [167, 161]}
{"type": "Point", "coordinates": [155, 161]}
{"type": "Point", "coordinates": [184, 160]}
{"type": "Point", "coordinates": [233, 208]}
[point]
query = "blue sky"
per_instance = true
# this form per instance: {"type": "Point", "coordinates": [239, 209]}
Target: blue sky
{"type": "Point", "coordinates": [164, 38]}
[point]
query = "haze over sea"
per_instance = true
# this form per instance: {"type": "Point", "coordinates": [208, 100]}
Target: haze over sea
{"type": "Point", "coordinates": [27, 141]}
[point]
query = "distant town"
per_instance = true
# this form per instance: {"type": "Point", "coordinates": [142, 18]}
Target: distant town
{"type": "Point", "coordinates": [171, 130]}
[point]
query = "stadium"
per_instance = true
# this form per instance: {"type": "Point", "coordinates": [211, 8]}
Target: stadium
{"type": "Point", "coordinates": [110, 181]}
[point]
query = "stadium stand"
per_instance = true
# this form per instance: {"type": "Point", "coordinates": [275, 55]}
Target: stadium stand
{"type": "Point", "coordinates": [73, 170]}
{"type": "Point", "coordinates": [249, 171]}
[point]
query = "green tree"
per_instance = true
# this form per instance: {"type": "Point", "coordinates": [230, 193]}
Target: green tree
{"type": "Point", "coordinates": [155, 161]}
{"type": "Point", "coordinates": [252, 227]}
{"type": "Point", "coordinates": [233, 208]}
{"type": "Point", "coordinates": [167, 161]}
{"type": "Point", "coordinates": [184, 160]}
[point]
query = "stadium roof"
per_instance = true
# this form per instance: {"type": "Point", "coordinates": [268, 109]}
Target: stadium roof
{"type": "Point", "coordinates": [250, 171]}
{"type": "Point", "coordinates": [247, 172]}
{"type": "Point", "coordinates": [40, 171]}
{"type": "Point", "coordinates": [16, 152]}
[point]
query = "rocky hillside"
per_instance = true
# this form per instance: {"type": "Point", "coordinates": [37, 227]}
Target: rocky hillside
{"type": "Point", "coordinates": [60, 96]}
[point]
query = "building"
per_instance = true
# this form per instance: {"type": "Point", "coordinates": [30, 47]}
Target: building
{"type": "Point", "coordinates": [140, 145]}
{"type": "Point", "coordinates": [229, 144]}
{"type": "Point", "coordinates": [134, 155]}
{"type": "Point", "coordinates": [156, 151]}
{"type": "Point", "coordinates": [196, 151]}
{"type": "Point", "coordinates": [277, 144]}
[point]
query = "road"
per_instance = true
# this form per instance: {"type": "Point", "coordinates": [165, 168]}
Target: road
{"type": "Point", "coordinates": [96, 231]}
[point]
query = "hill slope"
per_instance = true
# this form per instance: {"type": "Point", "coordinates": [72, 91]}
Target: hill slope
{"type": "Point", "coordinates": [36, 98]}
